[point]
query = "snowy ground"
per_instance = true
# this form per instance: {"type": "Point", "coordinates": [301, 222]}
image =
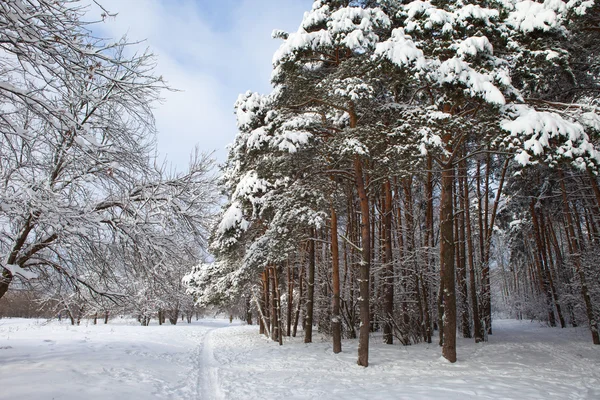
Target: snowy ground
{"type": "Point", "coordinates": [212, 359]}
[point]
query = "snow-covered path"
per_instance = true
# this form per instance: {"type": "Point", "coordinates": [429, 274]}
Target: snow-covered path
{"type": "Point", "coordinates": [116, 361]}
{"type": "Point", "coordinates": [212, 359]}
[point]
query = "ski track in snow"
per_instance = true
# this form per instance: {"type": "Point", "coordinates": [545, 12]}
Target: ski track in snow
{"type": "Point", "coordinates": [212, 360]}
{"type": "Point", "coordinates": [121, 360]}
{"type": "Point", "coordinates": [210, 370]}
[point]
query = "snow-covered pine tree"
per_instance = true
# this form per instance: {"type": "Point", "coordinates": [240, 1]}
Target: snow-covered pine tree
{"type": "Point", "coordinates": [384, 90]}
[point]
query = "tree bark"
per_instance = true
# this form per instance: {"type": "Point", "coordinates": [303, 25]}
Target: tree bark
{"type": "Point", "coordinates": [5, 281]}
{"type": "Point", "coordinates": [310, 295]}
{"type": "Point", "coordinates": [290, 303]}
{"type": "Point", "coordinates": [299, 307]}
{"type": "Point", "coordinates": [447, 263]}
{"type": "Point", "coordinates": [388, 301]}
{"type": "Point", "coordinates": [336, 321]}
{"type": "Point", "coordinates": [365, 265]}
{"type": "Point", "coordinates": [277, 306]}
{"type": "Point", "coordinates": [462, 264]}
{"type": "Point", "coordinates": [428, 244]}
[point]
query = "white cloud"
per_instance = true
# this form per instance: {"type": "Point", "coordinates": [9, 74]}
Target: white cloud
{"type": "Point", "coordinates": [210, 57]}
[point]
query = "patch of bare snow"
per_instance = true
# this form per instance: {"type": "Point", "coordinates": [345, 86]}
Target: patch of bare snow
{"type": "Point", "coordinates": [212, 359]}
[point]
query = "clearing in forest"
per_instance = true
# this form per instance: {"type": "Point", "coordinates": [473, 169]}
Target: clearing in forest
{"type": "Point", "coordinates": [213, 359]}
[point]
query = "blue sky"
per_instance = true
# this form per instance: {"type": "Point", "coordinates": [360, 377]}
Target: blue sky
{"type": "Point", "coordinates": [211, 51]}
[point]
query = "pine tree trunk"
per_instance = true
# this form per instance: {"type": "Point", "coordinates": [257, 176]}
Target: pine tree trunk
{"type": "Point", "coordinates": [365, 265]}
{"type": "Point", "coordinates": [428, 244]}
{"type": "Point", "coordinates": [267, 303]}
{"type": "Point", "coordinates": [310, 295]}
{"type": "Point", "coordinates": [290, 303]}
{"type": "Point", "coordinates": [447, 263]}
{"type": "Point", "coordinates": [462, 264]}
{"type": "Point", "coordinates": [336, 319]}
{"type": "Point", "coordinates": [277, 307]}
{"type": "Point", "coordinates": [300, 297]}
{"type": "Point", "coordinates": [410, 243]}
{"type": "Point", "coordinates": [388, 306]}
{"type": "Point", "coordinates": [477, 329]}
{"type": "Point", "coordinates": [486, 298]}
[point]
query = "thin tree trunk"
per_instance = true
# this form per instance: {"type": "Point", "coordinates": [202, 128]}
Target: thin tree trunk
{"type": "Point", "coordinates": [274, 311]}
{"type": "Point", "coordinates": [336, 319]}
{"type": "Point", "coordinates": [277, 301]}
{"type": "Point", "coordinates": [477, 329]}
{"type": "Point", "coordinates": [310, 291]}
{"type": "Point", "coordinates": [266, 289]}
{"type": "Point", "coordinates": [388, 301]}
{"type": "Point", "coordinates": [428, 244]}
{"type": "Point", "coordinates": [462, 261]}
{"type": "Point", "coordinates": [299, 307]}
{"type": "Point", "coordinates": [486, 299]}
{"type": "Point", "coordinates": [290, 303]}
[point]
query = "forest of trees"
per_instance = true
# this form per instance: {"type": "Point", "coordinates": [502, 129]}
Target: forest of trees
{"type": "Point", "coordinates": [91, 221]}
{"type": "Point", "coordinates": [418, 167]}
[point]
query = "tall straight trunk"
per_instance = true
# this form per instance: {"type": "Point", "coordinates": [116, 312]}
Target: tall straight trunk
{"type": "Point", "coordinates": [290, 303]}
{"type": "Point", "coordinates": [440, 305]}
{"type": "Point", "coordinates": [490, 219]}
{"type": "Point", "coordinates": [486, 304]}
{"type": "Point", "coordinates": [482, 234]}
{"type": "Point", "coordinates": [267, 314]}
{"type": "Point", "coordinates": [410, 252]}
{"type": "Point", "coordinates": [447, 263]}
{"type": "Point", "coordinates": [477, 329]}
{"type": "Point", "coordinates": [462, 261]}
{"type": "Point", "coordinates": [274, 313]}
{"type": "Point", "coordinates": [365, 264]}
{"type": "Point", "coordinates": [300, 296]}
{"type": "Point", "coordinates": [576, 256]}
{"type": "Point", "coordinates": [310, 294]}
{"type": "Point", "coordinates": [373, 324]}
{"type": "Point", "coordinates": [336, 318]}
{"type": "Point", "coordinates": [352, 229]}
{"type": "Point", "coordinates": [388, 301]}
{"type": "Point", "coordinates": [428, 243]}
{"type": "Point", "coordinates": [277, 297]}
